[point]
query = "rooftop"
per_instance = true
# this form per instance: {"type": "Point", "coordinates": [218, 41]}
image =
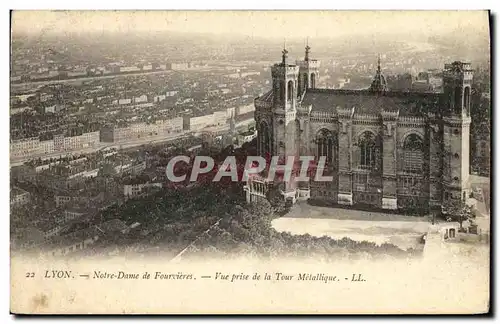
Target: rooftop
{"type": "Point", "coordinates": [367, 102]}
{"type": "Point", "coordinates": [47, 224]}
{"type": "Point", "coordinates": [30, 235]}
{"type": "Point", "coordinates": [114, 225]}
{"type": "Point", "coordinates": [247, 133]}
{"type": "Point", "coordinates": [17, 191]}
{"type": "Point", "coordinates": [75, 237]}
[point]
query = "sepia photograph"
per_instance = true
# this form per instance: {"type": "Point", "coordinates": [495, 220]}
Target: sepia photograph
{"type": "Point", "coordinates": [250, 162]}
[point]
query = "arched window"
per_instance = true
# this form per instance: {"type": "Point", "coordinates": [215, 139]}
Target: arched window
{"type": "Point", "coordinates": [305, 81]}
{"type": "Point", "coordinates": [264, 142]}
{"type": "Point", "coordinates": [413, 154]}
{"type": "Point", "coordinates": [290, 90]}
{"type": "Point", "coordinates": [325, 145]}
{"type": "Point", "coordinates": [313, 81]}
{"type": "Point", "coordinates": [282, 91]}
{"type": "Point", "coordinates": [298, 132]}
{"type": "Point", "coordinates": [299, 86]}
{"type": "Point", "coordinates": [458, 100]}
{"type": "Point", "coordinates": [369, 151]}
{"type": "Point", "coordinates": [276, 89]}
{"type": "Point", "coordinates": [467, 101]}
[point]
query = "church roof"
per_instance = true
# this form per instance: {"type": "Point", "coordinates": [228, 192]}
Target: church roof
{"type": "Point", "coordinates": [267, 97]}
{"type": "Point", "coordinates": [379, 84]}
{"type": "Point", "coordinates": [367, 102]}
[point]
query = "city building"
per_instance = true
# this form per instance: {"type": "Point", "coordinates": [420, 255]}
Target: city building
{"type": "Point", "coordinates": [171, 93]}
{"type": "Point", "coordinates": [113, 226]}
{"type": "Point", "coordinates": [199, 122]}
{"type": "Point", "coordinates": [220, 118]}
{"type": "Point", "coordinates": [241, 110]}
{"type": "Point", "coordinates": [24, 148]}
{"type": "Point", "coordinates": [74, 213]}
{"type": "Point", "coordinates": [49, 227]}
{"type": "Point", "coordinates": [137, 189]}
{"type": "Point", "coordinates": [46, 147]}
{"type": "Point", "coordinates": [247, 136]}
{"type": "Point", "coordinates": [88, 198]}
{"type": "Point", "coordinates": [177, 66]}
{"type": "Point", "coordinates": [86, 140]}
{"type": "Point", "coordinates": [230, 112]}
{"type": "Point", "coordinates": [27, 148]}
{"type": "Point", "coordinates": [19, 197]}
{"type": "Point", "coordinates": [27, 237]}
{"type": "Point", "coordinates": [383, 149]}
{"type": "Point", "coordinates": [133, 168]}
{"type": "Point", "coordinates": [159, 98]}
{"type": "Point", "coordinates": [19, 110]}
{"type": "Point", "coordinates": [73, 242]}
{"type": "Point", "coordinates": [141, 130]}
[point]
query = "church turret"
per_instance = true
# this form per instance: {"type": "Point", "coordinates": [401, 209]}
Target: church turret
{"type": "Point", "coordinates": [284, 56]}
{"type": "Point", "coordinates": [285, 77]}
{"type": "Point", "coordinates": [457, 80]}
{"type": "Point", "coordinates": [308, 73]}
{"type": "Point", "coordinates": [306, 57]}
{"type": "Point", "coordinates": [379, 83]}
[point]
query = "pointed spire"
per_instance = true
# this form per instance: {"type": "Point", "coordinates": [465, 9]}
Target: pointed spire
{"type": "Point", "coordinates": [285, 53]}
{"type": "Point", "coordinates": [307, 49]}
{"type": "Point", "coordinates": [379, 83]}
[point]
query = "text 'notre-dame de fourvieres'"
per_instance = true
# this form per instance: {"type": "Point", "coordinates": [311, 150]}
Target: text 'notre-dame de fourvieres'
{"type": "Point", "coordinates": [384, 149]}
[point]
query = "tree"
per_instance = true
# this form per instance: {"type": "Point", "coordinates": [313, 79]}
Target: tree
{"type": "Point", "coordinates": [458, 211]}
{"type": "Point", "coordinates": [277, 202]}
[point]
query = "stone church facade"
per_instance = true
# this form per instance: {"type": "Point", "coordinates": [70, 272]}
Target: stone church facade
{"type": "Point", "coordinates": [384, 149]}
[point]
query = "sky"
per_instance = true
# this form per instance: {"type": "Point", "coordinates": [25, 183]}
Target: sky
{"type": "Point", "coordinates": [285, 24]}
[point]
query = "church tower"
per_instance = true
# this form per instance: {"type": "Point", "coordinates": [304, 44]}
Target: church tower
{"type": "Point", "coordinates": [308, 72]}
{"type": "Point", "coordinates": [457, 82]}
{"type": "Point", "coordinates": [285, 81]}
{"type": "Point", "coordinates": [285, 125]}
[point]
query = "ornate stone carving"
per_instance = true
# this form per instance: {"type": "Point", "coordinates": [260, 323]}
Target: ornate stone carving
{"type": "Point", "coordinates": [343, 126]}
{"type": "Point", "coordinates": [388, 130]}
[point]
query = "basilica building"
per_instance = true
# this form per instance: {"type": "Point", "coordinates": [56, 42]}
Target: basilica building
{"type": "Point", "coordinates": [384, 149]}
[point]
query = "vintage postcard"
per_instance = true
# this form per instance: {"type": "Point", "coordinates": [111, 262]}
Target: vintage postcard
{"type": "Point", "coordinates": [250, 162]}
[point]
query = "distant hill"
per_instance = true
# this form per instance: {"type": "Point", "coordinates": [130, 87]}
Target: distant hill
{"type": "Point", "coordinates": [472, 43]}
